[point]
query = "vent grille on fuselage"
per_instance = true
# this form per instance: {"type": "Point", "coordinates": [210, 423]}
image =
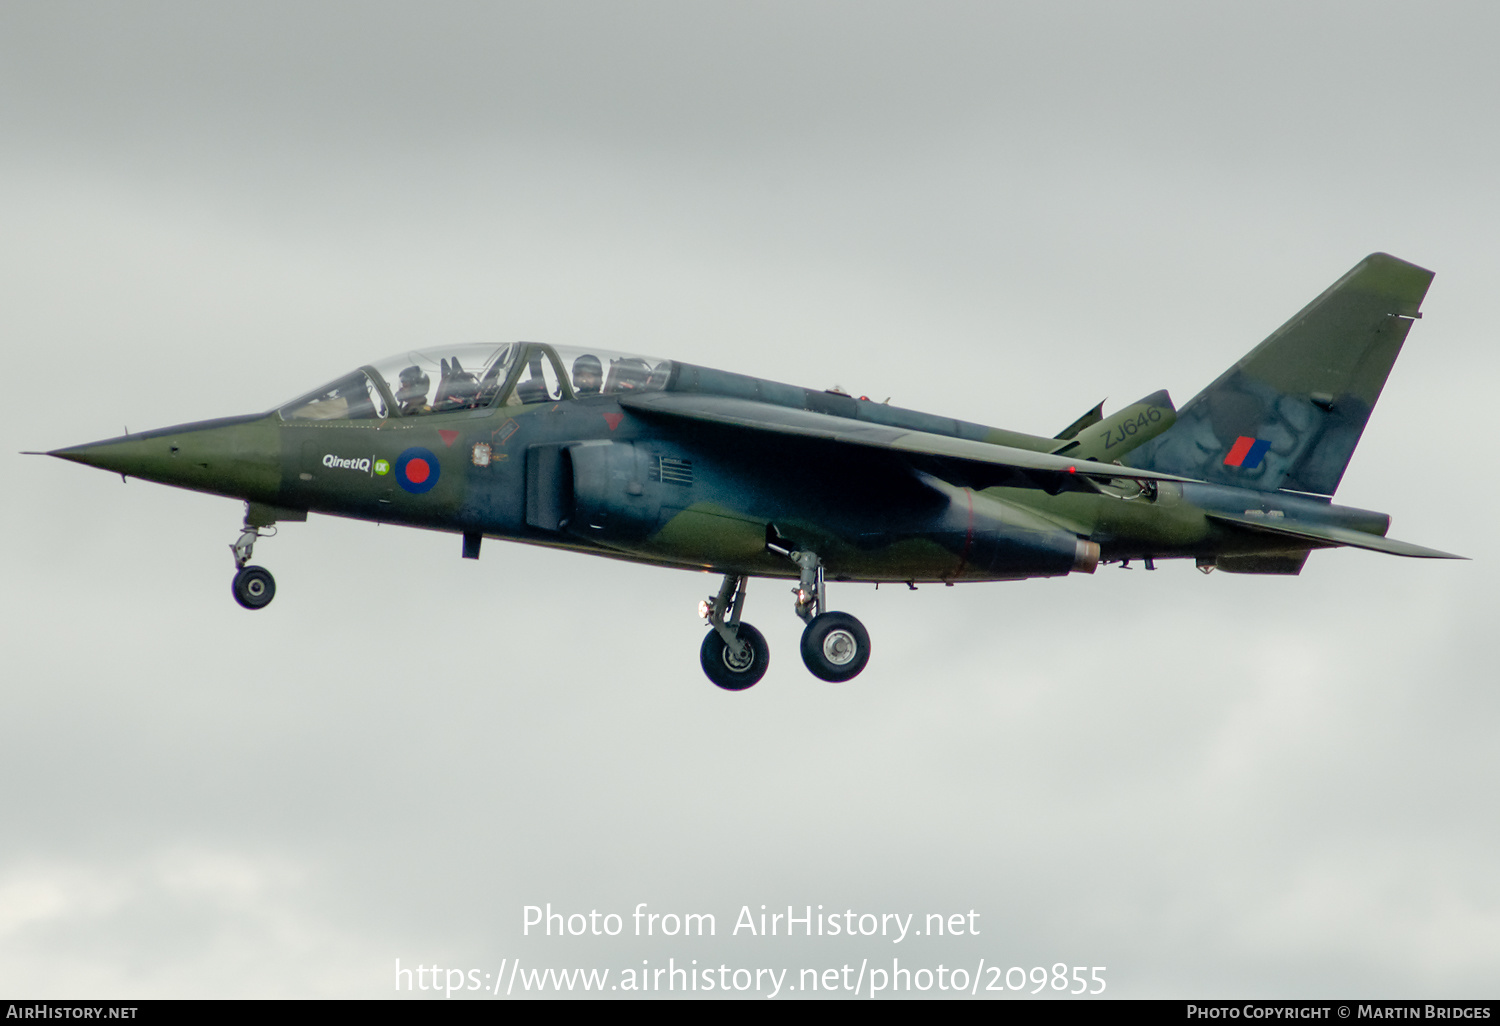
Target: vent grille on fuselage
{"type": "Point", "coordinates": [670, 470]}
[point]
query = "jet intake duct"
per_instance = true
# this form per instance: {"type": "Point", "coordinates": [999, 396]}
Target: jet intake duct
{"type": "Point", "coordinates": [614, 499]}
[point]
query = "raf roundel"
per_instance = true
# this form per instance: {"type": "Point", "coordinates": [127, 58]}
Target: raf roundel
{"type": "Point", "coordinates": [417, 470]}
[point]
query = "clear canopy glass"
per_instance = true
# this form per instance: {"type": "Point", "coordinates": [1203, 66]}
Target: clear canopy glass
{"type": "Point", "coordinates": [352, 397]}
{"type": "Point", "coordinates": [452, 378]}
{"type": "Point", "coordinates": [470, 377]}
{"type": "Point", "coordinates": [592, 372]}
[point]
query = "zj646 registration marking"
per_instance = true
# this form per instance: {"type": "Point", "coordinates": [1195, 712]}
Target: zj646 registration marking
{"type": "Point", "coordinates": [1117, 434]}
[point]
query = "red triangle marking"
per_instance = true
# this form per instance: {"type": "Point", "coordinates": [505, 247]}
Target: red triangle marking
{"type": "Point", "coordinates": [449, 437]}
{"type": "Point", "coordinates": [613, 419]}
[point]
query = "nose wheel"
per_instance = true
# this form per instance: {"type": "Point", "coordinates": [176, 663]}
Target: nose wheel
{"type": "Point", "coordinates": [253, 586]}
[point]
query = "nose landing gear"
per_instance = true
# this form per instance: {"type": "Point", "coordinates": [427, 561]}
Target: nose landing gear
{"type": "Point", "coordinates": [253, 586]}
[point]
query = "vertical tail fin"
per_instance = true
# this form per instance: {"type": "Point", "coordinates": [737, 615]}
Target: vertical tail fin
{"type": "Point", "coordinates": [1290, 413]}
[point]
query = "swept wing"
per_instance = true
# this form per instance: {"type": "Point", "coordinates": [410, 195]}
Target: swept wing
{"type": "Point", "coordinates": [727, 411]}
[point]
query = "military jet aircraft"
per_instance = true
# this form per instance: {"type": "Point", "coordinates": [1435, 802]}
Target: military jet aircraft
{"type": "Point", "coordinates": [677, 465]}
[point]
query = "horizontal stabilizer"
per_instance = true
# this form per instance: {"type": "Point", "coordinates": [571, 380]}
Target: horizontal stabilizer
{"type": "Point", "coordinates": [749, 415]}
{"type": "Point", "coordinates": [1329, 535]}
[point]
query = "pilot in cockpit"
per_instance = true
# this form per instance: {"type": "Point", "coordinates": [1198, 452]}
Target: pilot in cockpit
{"type": "Point", "coordinates": [412, 395]}
{"type": "Point", "coordinates": [588, 375]}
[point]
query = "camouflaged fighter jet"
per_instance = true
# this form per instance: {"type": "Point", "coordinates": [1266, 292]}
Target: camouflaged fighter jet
{"type": "Point", "coordinates": [683, 466]}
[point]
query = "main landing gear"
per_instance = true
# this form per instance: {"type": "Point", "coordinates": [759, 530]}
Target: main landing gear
{"type": "Point", "coordinates": [734, 654]}
{"type": "Point", "coordinates": [253, 586]}
{"type": "Point", "coordinates": [835, 646]}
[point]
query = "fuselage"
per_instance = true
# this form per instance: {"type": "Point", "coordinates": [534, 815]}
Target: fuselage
{"type": "Point", "coordinates": [553, 460]}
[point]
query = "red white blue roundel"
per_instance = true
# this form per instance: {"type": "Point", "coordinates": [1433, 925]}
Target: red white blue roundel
{"type": "Point", "coordinates": [417, 470]}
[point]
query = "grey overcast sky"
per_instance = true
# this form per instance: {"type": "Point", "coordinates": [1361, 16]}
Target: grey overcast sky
{"type": "Point", "coordinates": [1212, 786]}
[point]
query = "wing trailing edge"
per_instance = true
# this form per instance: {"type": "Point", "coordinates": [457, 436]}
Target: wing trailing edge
{"type": "Point", "coordinates": [1328, 534]}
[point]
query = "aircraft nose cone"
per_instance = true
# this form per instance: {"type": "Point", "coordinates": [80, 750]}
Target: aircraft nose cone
{"type": "Point", "coordinates": [116, 454]}
{"type": "Point", "coordinates": [237, 456]}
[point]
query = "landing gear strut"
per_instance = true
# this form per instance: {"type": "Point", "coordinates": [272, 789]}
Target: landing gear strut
{"type": "Point", "coordinates": [734, 654]}
{"type": "Point", "coordinates": [253, 586]}
{"type": "Point", "coordinates": [835, 646]}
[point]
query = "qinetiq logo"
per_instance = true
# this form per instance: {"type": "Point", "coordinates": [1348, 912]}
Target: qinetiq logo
{"type": "Point", "coordinates": [360, 463]}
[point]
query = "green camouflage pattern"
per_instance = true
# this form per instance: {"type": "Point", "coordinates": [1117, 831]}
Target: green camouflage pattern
{"type": "Point", "coordinates": [1308, 389]}
{"type": "Point", "coordinates": [724, 472]}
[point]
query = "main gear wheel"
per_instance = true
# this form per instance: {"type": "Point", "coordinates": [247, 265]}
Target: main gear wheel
{"type": "Point", "coordinates": [835, 647]}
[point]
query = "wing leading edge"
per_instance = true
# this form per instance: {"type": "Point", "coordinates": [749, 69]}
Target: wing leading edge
{"type": "Point", "coordinates": [726, 411]}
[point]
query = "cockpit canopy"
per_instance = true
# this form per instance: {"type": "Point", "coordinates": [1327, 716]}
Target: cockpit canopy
{"type": "Point", "coordinates": [474, 377]}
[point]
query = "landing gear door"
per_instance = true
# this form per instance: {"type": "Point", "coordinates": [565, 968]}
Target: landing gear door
{"type": "Point", "coordinates": [549, 486]}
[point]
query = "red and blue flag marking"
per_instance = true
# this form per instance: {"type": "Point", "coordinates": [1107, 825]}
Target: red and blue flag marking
{"type": "Point", "coordinates": [1246, 452]}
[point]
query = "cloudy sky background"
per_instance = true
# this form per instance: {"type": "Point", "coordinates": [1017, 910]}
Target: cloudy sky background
{"type": "Point", "coordinates": [1214, 786]}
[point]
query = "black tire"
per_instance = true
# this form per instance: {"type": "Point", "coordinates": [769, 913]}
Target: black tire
{"type": "Point", "coordinates": [714, 655]}
{"type": "Point", "coordinates": [254, 587]}
{"type": "Point", "coordinates": [835, 647]}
